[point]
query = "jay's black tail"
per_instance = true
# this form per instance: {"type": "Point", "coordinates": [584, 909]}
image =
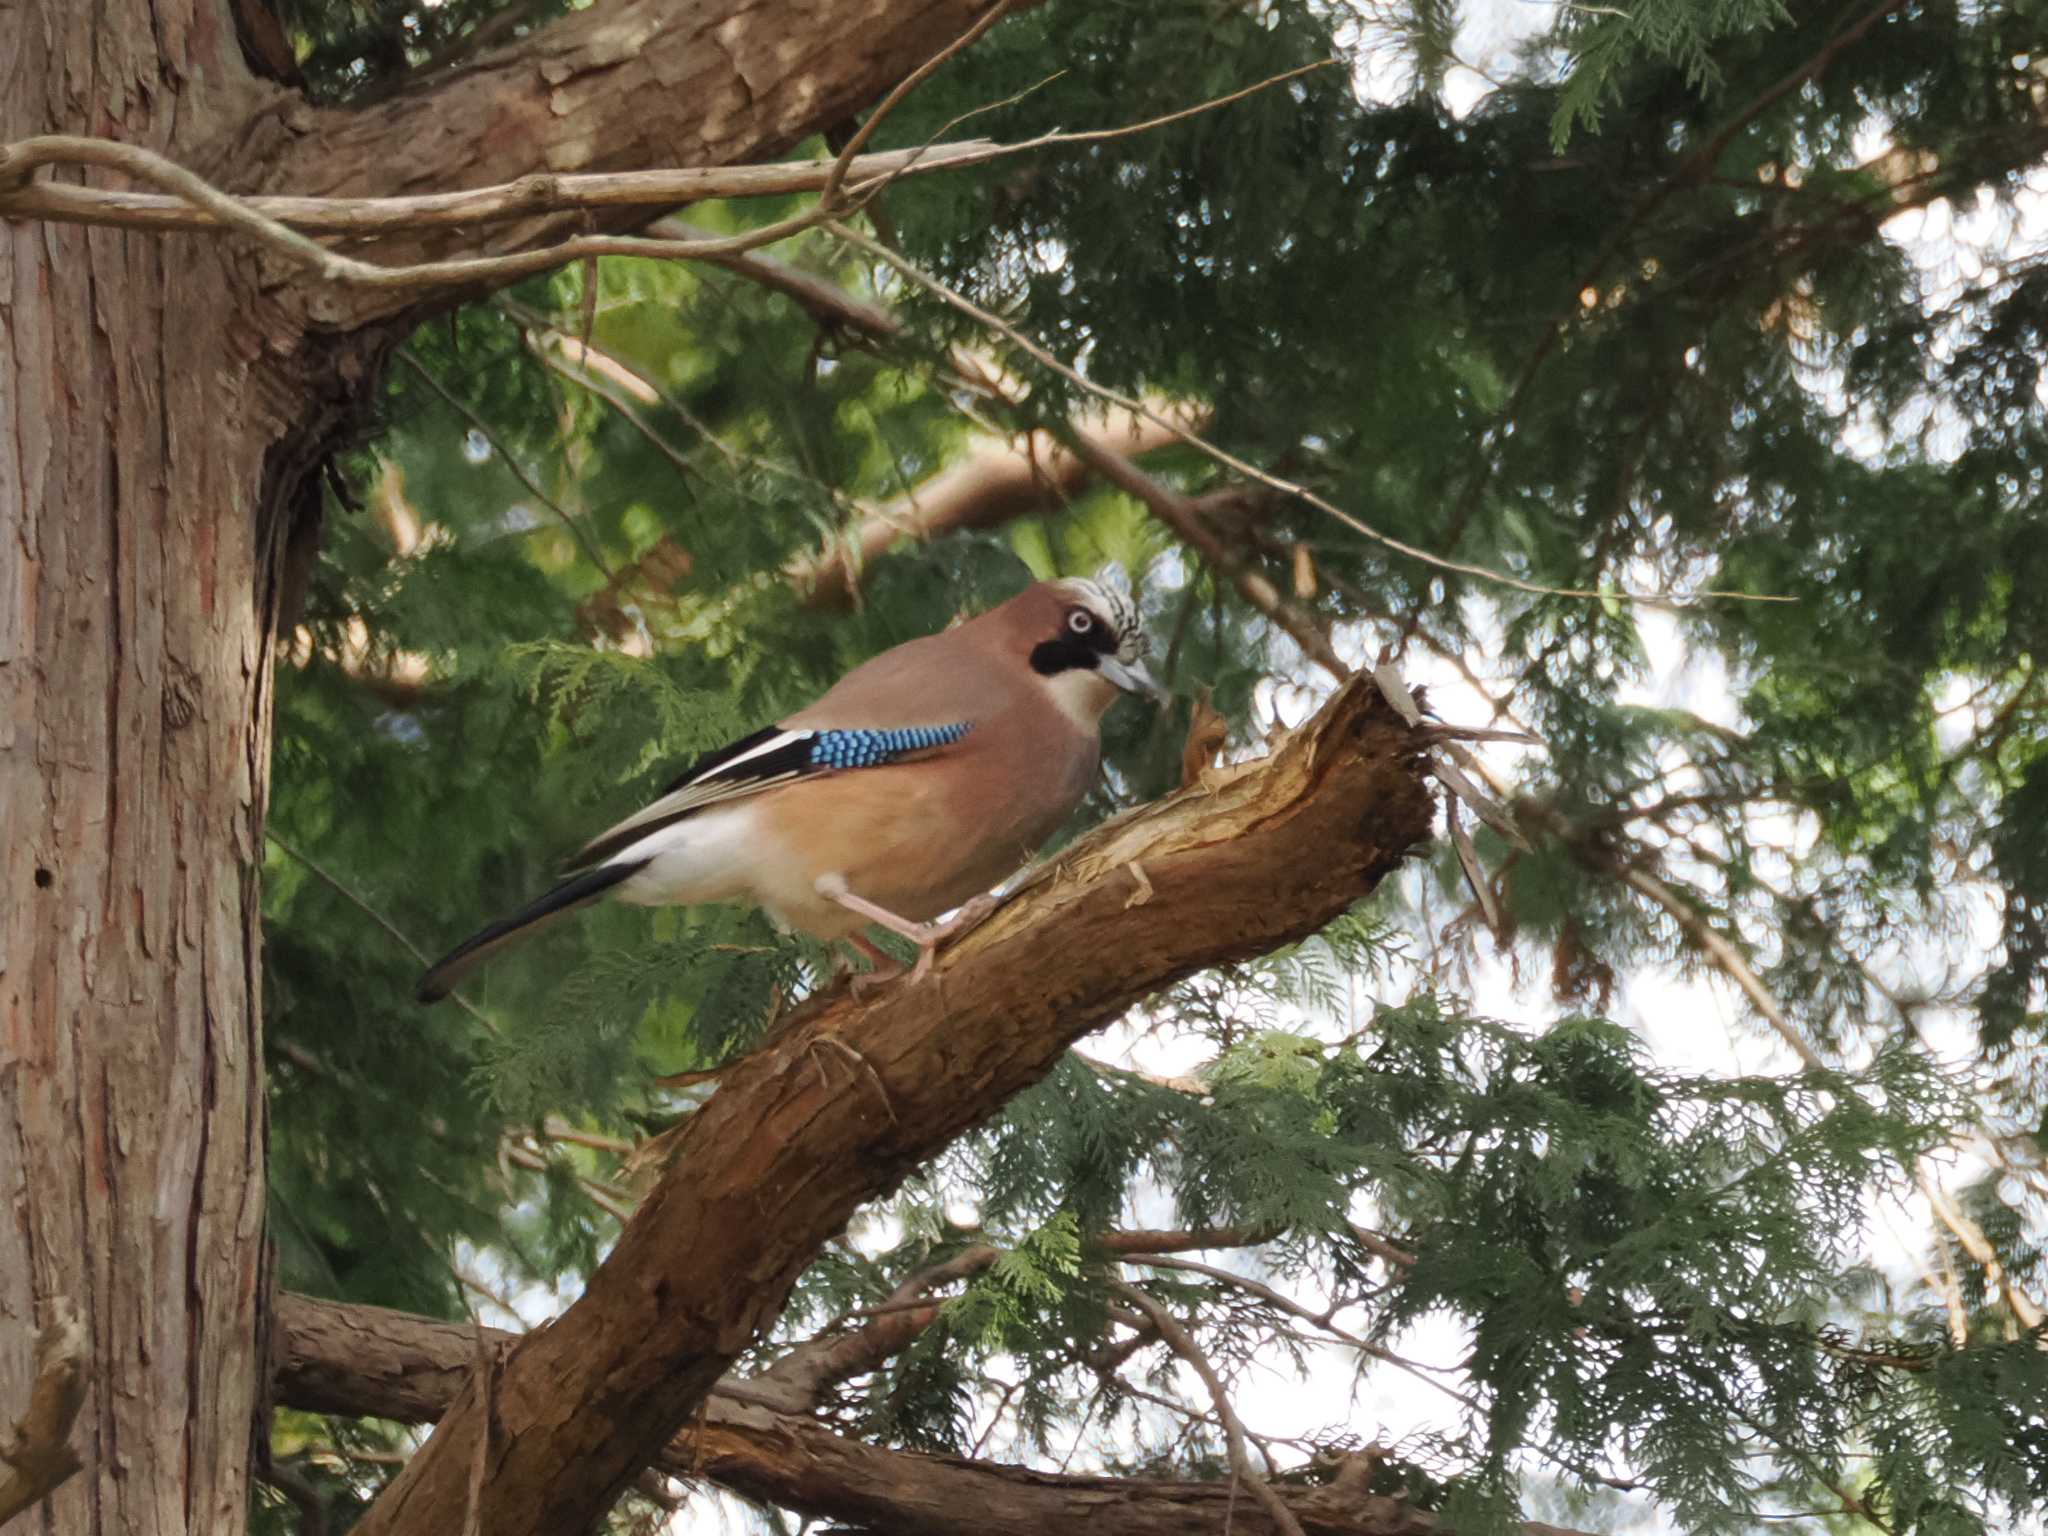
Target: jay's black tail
{"type": "Point", "coordinates": [565, 898]}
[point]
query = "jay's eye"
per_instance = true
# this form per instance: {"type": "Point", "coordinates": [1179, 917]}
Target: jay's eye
{"type": "Point", "coordinates": [1080, 621]}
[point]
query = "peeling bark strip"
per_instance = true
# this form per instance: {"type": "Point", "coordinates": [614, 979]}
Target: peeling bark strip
{"type": "Point", "coordinates": [850, 1098]}
{"type": "Point", "coordinates": [366, 1361]}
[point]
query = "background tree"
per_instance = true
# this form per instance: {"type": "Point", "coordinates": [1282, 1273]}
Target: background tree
{"type": "Point", "coordinates": [1627, 326]}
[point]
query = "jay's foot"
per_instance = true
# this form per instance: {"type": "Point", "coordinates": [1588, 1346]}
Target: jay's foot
{"type": "Point", "coordinates": [926, 936]}
{"type": "Point", "coordinates": [934, 933]}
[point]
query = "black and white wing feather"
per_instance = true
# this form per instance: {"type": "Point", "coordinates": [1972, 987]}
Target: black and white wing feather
{"type": "Point", "coordinates": [763, 761]}
{"type": "Point", "coordinates": [760, 762]}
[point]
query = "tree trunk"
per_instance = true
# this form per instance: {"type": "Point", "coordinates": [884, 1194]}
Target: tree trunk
{"type": "Point", "coordinates": [138, 582]}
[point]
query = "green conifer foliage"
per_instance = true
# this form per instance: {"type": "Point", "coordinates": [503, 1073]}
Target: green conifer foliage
{"type": "Point", "coordinates": [1630, 325]}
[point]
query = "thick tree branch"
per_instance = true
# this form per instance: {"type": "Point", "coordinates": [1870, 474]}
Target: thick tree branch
{"type": "Point", "coordinates": [334, 1358]}
{"type": "Point", "coordinates": [852, 1096]}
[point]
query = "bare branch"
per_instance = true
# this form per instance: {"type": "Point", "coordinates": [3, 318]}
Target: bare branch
{"type": "Point", "coordinates": [1724, 955]}
{"type": "Point", "coordinates": [823, 299]}
{"type": "Point", "coordinates": [332, 266]}
{"type": "Point", "coordinates": [1241, 1468]}
{"type": "Point", "coordinates": [1001, 481]}
{"type": "Point", "coordinates": [1185, 519]}
{"type": "Point", "coordinates": [362, 905]}
{"type": "Point", "coordinates": [336, 1358]}
{"type": "Point", "coordinates": [522, 199]}
{"type": "Point", "coordinates": [586, 373]}
{"type": "Point", "coordinates": [274, 222]}
{"type": "Point", "coordinates": [817, 1364]}
{"type": "Point", "coordinates": [1187, 1083]}
{"type": "Point", "coordinates": [519, 471]}
{"type": "Point", "coordinates": [2025, 1310]}
{"type": "Point", "coordinates": [835, 179]}
{"type": "Point", "coordinates": [1006, 480]}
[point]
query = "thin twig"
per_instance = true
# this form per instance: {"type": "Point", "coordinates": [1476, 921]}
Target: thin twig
{"type": "Point", "coordinates": [555, 1128]}
{"type": "Point", "coordinates": [361, 905]}
{"type": "Point", "coordinates": [519, 471]}
{"type": "Point", "coordinates": [828, 195]}
{"type": "Point", "coordinates": [607, 1198]}
{"type": "Point", "coordinates": [582, 376]}
{"type": "Point", "coordinates": [220, 210]}
{"type": "Point", "coordinates": [1178, 1340]}
{"type": "Point", "coordinates": [1321, 1321]}
{"type": "Point", "coordinates": [1725, 957]}
{"type": "Point", "coordinates": [2025, 1310]}
{"type": "Point", "coordinates": [1179, 514]}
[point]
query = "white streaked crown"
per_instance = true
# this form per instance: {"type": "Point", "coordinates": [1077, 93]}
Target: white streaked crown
{"type": "Point", "coordinates": [1115, 609]}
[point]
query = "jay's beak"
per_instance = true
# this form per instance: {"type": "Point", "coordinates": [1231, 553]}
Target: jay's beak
{"type": "Point", "coordinates": [1131, 676]}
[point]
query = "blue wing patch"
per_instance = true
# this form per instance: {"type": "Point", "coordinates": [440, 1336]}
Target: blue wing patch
{"type": "Point", "coordinates": [872, 749]}
{"type": "Point", "coordinates": [762, 761]}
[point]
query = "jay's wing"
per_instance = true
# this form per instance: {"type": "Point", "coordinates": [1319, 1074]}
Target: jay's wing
{"type": "Point", "coordinates": [764, 760]}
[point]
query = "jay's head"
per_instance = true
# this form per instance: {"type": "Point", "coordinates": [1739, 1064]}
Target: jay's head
{"type": "Point", "coordinates": [1087, 642]}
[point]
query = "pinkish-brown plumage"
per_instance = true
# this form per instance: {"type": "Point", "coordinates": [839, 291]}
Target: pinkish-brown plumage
{"type": "Point", "coordinates": [829, 850]}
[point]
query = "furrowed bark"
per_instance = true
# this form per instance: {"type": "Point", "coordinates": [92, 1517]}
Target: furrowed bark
{"type": "Point", "coordinates": [365, 1361]}
{"type": "Point", "coordinates": [850, 1097]}
{"type": "Point", "coordinates": [140, 572]}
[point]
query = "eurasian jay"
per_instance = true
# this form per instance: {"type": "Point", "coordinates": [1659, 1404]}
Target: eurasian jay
{"type": "Point", "coordinates": [921, 779]}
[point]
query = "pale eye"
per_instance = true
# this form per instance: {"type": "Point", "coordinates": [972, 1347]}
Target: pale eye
{"type": "Point", "coordinates": [1080, 621]}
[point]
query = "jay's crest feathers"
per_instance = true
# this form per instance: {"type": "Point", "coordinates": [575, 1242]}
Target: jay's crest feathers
{"type": "Point", "coordinates": [922, 778]}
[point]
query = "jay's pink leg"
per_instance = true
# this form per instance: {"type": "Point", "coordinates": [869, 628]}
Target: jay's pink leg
{"type": "Point", "coordinates": [883, 966]}
{"type": "Point", "coordinates": [926, 936]}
